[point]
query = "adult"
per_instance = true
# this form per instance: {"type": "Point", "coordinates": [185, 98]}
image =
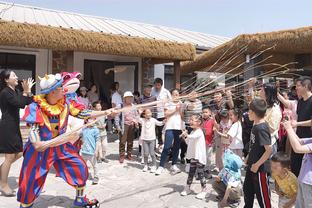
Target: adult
{"type": "Point", "coordinates": [246, 123]}
{"type": "Point", "coordinates": [273, 115]}
{"type": "Point", "coordinates": [160, 93]}
{"type": "Point", "coordinates": [116, 96]}
{"type": "Point", "coordinates": [220, 103]}
{"type": "Point", "coordinates": [303, 123]}
{"type": "Point", "coordinates": [83, 97]}
{"type": "Point", "coordinates": [93, 94]}
{"type": "Point", "coordinates": [11, 144]}
{"type": "Point", "coordinates": [146, 96]}
{"type": "Point", "coordinates": [173, 130]}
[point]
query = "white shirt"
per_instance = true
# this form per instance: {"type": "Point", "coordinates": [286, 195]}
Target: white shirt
{"type": "Point", "coordinates": [116, 99]}
{"type": "Point", "coordinates": [174, 122]}
{"type": "Point", "coordinates": [196, 148]}
{"type": "Point", "coordinates": [163, 94]}
{"type": "Point", "coordinates": [236, 133]}
{"type": "Point", "coordinates": [273, 118]}
{"type": "Point", "coordinates": [148, 128]}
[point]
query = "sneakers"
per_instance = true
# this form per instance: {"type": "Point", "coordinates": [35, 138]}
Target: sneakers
{"type": "Point", "coordinates": [142, 160]}
{"type": "Point", "coordinates": [159, 170]}
{"type": "Point", "coordinates": [153, 169]}
{"type": "Point", "coordinates": [121, 159]}
{"type": "Point", "coordinates": [202, 194]}
{"type": "Point", "coordinates": [95, 180]}
{"type": "Point", "coordinates": [186, 191]}
{"type": "Point", "coordinates": [175, 169]}
{"type": "Point", "coordinates": [85, 202]}
{"type": "Point", "coordinates": [145, 169]}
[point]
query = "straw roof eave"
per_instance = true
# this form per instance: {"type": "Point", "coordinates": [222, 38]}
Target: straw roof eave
{"type": "Point", "coordinates": [293, 41]}
{"type": "Point", "coordinates": [39, 36]}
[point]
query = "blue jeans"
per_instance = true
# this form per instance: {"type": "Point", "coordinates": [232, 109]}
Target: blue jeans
{"type": "Point", "coordinates": [171, 136]}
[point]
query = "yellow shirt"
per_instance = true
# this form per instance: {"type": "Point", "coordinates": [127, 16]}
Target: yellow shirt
{"type": "Point", "coordinates": [288, 185]}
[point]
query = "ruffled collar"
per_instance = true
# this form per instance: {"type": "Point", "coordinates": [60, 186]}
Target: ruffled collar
{"type": "Point", "coordinates": [48, 109]}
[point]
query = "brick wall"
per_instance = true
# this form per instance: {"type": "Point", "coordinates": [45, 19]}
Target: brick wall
{"type": "Point", "coordinates": [147, 73]}
{"type": "Point", "coordinates": [62, 61]}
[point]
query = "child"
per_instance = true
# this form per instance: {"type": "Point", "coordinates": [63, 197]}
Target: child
{"type": "Point", "coordinates": [260, 150]}
{"type": "Point", "coordinates": [90, 137]}
{"type": "Point", "coordinates": [228, 183]}
{"type": "Point", "coordinates": [101, 146]}
{"type": "Point", "coordinates": [126, 123]}
{"type": "Point", "coordinates": [207, 127]}
{"type": "Point", "coordinates": [196, 153]}
{"type": "Point", "coordinates": [222, 142]}
{"type": "Point", "coordinates": [286, 185]}
{"type": "Point", "coordinates": [148, 136]}
{"type": "Point", "coordinates": [234, 135]}
{"type": "Point", "coordinates": [303, 146]}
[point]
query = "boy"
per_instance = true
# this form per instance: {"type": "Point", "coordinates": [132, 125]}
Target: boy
{"type": "Point", "coordinates": [228, 182]}
{"type": "Point", "coordinates": [101, 146]}
{"type": "Point", "coordinates": [286, 184]}
{"type": "Point", "coordinates": [90, 137]}
{"type": "Point", "coordinates": [260, 150]}
{"type": "Point", "coordinates": [302, 146]}
{"type": "Point", "coordinates": [207, 126]}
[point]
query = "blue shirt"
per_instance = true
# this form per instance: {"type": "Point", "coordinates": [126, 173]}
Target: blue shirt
{"type": "Point", "coordinates": [90, 136]}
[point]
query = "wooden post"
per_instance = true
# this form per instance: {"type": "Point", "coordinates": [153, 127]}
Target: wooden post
{"type": "Point", "coordinates": [177, 74]}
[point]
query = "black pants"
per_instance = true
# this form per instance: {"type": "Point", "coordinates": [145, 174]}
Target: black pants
{"type": "Point", "coordinates": [257, 183]}
{"type": "Point", "coordinates": [295, 162]}
{"type": "Point", "coordinates": [195, 165]}
{"type": "Point", "coordinates": [159, 132]}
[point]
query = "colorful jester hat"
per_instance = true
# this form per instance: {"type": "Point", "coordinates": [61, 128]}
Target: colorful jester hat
{"type": "Point", "coordinates": [232, 163]}
{"type": "Point", "coordinates": [50, 82]}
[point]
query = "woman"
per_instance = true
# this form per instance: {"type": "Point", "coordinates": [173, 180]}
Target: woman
{"type": "Point", "coordinates": [11, 144]}
{"type": "Point", "coordinates": [173, 130]}
{"type": "Point", "coordinates": [83, 97]}
{"type": "Point", "coordinates": [273, 115]}
{"type": "Point", "coordinates": [93, 94]}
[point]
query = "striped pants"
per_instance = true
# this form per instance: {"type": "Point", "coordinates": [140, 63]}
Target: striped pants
{"type": "Point", "coordinates": [64, 158]}
{"type": "Point", "coordinates": [257, 183]}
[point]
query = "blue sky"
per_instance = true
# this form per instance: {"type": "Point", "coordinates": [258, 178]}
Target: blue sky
{"type": "Point", "coordinates": [220, 17]}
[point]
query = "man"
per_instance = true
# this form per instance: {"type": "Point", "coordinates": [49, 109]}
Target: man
{"type": "Point", "coordinates": [48, 118]}
{"type": "Point", "coordinates": [303, 123]}
{"type": "Point", "coordinates": [160, 94]}
{"type": "Point", "coordinates": [219, 103]}
{"type": "Point", "coordinates": [116, 97]}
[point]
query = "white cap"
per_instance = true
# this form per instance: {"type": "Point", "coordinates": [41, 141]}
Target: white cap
{"type": "Point", "coordinates": [128, 94]}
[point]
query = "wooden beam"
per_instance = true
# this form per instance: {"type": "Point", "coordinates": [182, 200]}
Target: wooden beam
{"type": "Point", "coordinates": [177, 74]}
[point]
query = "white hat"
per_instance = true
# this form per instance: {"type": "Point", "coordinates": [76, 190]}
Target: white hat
{"type": "Point", "coordinates": [128, 94]}
{"type": "Point", "coordinates": [50, 82]}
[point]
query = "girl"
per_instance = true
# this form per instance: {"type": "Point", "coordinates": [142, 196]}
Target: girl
{"type": "Point", "coordinates": [221, 141]}
{"type": "Point", "coordinates": [11, 144]}
{"type": "Point", "coordinates": [196, 153]}
{"type": "Point", "coordinates": [234, 135]}
{"type": "Point", "coordinates": [101, 146]}
{"type": "Point", "coordinates": [148, 136]}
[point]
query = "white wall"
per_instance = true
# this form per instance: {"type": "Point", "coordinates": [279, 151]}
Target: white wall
{"type": "Point", "coordinates": [43, 59]}
{"type": "Point", "coordinates": [79, 58]}
{"type": "Point", "coordinates": [159, 71]}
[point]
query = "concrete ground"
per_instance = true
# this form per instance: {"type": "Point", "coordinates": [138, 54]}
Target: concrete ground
{"type": "Point", "coordinates": [120, 186]}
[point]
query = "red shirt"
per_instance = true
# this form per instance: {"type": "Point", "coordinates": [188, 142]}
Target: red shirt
{"type": "Point", "coordinates": [208, 131]}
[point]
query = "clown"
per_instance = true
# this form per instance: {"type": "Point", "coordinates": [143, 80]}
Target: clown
{"type": "Point", "coordinates": [48, 118]}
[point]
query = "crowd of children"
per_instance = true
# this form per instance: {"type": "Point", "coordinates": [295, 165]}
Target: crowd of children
{"type": "Point", "coordinates": [212, 141]}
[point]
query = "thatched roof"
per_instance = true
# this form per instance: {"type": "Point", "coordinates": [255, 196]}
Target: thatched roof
{"type": "Point", "coordinates": [39, 36]}
{"type": "Point", "coordinates": [293, 41]}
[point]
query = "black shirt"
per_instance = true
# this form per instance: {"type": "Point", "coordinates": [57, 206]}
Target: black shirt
{"type": "Point", "coordinates": [260, 136]}
{"type": "Point", "coordinates": [304, 111]}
